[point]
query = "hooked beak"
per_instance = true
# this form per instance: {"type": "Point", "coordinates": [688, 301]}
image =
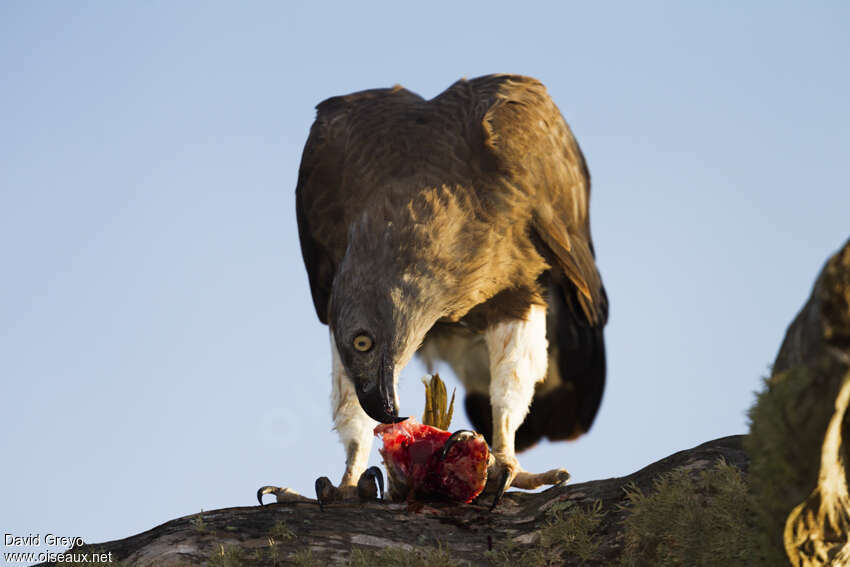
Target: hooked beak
{"type": "Point", "coordinates": [377, 394]}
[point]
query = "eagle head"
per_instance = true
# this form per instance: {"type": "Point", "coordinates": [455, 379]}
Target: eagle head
{"type": "Point", "coordinates": [365, 347]}
{"type": "Point", "coordinates": [379, 314]}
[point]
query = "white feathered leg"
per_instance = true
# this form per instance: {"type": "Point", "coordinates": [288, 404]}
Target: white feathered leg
{"type": "Point", "coordinates": [354, 427]}
{"type": "Point", "coordinates": [518, 360]}
{"type": "Point", "coordinates": [355, 431]}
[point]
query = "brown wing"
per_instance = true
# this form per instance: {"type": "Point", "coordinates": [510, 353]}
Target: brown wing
{"type": "Point", "coordinates": [323, 197]}
{"type": "Point", "coordinates": [536, 150]}
{"type": "Point", "coordinates": [320, 268]}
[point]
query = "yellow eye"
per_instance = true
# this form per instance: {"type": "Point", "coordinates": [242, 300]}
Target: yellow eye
{"type": "Point", "coordinates": [362, 343]}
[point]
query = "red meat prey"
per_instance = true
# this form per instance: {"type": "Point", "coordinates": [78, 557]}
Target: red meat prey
{"type": "Point", "coordinates": [412, 455]}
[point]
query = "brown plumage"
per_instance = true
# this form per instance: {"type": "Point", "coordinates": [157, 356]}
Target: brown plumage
{"type": "Point", "coordinates": [425, 222]}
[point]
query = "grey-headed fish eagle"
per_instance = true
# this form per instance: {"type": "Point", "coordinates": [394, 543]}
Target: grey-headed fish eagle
{"type": "Point", "coordinates": [456, 228]}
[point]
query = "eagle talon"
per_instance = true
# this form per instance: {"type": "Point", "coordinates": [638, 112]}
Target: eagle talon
{"type": "Point", "coordinates": [460, 435]}
{"type": "Point", "coordinates": [500, 491]}
{"type": "Point", "coordinates": [325, 492]}
{"type": "Point", "coordinates": [263, 490]}
{"type": "Point", "coordinates": [281, 494]}
{"type": "Point", "coordinates": [369, 480]}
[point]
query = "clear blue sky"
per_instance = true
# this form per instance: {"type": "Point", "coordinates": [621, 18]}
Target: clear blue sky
{"type": "Point", "coordinates": [159, 353]}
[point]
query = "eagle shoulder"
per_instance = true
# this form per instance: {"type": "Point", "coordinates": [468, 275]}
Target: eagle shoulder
{"type": "Point", "coordinates": [320, 205]}
{"type": "Point", "coordinates": [535, 149]}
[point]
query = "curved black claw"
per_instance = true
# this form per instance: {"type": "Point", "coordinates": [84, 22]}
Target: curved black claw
{"type": "Point", "coordinates": [263, 490]}
{"type": "Point", "coordinates": [503, 484]}
{"type": "Point", "coordinates": [460, 435]}
{"type": "Point", "coordinates": [325, 491]}
{"type": "Point", "coordinates": [366, 485]}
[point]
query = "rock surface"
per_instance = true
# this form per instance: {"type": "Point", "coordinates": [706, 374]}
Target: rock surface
{"type": "Point", "coordinates": [240, 536]}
